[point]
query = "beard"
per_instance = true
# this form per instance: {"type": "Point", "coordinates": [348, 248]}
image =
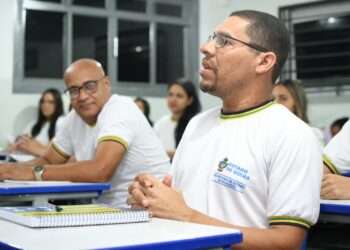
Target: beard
{"type": "Point", "coordinates": [207, 87]}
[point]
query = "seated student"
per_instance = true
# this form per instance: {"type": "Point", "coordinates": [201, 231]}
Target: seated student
{"type": "Point", "coordinates": [183, 103]}
{"type": "Point", "coordinates": [336, 160]}
{"type": "Point", "coordinates": [144, 107]}
{"type": "Point", "coordinates": [249, 164]}
{"type": "Point", "coordinates": [109, 137]}
{"type": "Point", "coordinates": [337, 125]}
{"type": "Point", "coordinates": [291, 94]}
{"type": "Point", "coordinates": [36, 137]}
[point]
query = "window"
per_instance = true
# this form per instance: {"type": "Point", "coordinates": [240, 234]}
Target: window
{"type": "Point", "coordinates": [134, 48]}
{"type": "Point", "coordinates": [143, 45]}
{"type": "Point", "coordinates": [131, 5]}
{"type": "Point", "coordinates": [90, 38]}
{"type": "Point", "coordinates": [42, 44]}
{"type": "Point", "coordinates": [169, 52]}
{"type": "Point", "coordinates": [320, 43]}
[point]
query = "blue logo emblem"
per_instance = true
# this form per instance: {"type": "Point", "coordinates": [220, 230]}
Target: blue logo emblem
{"type": "Point", "coordinates": [231, 175]}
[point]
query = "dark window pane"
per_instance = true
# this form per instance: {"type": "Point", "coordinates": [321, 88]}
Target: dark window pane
{"type": "Point", "coordinates": [169, 9]}
{"type": "Point", "coordinates": [90, 38]}
{"type": "Point", "coordinates": [43, 44]}
{"type": "Point", "coordinates": [323, 48]}
{"type": "Point", "coordinates": [170, 58]}
{"type": "Point", "coordinates": [90, 3]}
{"type": "Point", "coordinates": [131, 5]}
{"type": "Point", "coordinates": [133, 61]}
{"type": "Point", "coordinates": [50, 1]}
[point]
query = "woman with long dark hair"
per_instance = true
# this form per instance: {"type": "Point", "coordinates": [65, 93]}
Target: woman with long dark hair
{"type": "Point", "coordinates": [183, 103]}
{"type": "Point", "coordinates": [37, 137]}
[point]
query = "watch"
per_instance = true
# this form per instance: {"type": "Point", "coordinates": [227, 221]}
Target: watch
{"type": "Point", "coordinates": [38, 172]}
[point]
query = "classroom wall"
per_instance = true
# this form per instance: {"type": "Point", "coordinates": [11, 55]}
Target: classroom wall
{"type": "Point", "coordinates": [323, 108]}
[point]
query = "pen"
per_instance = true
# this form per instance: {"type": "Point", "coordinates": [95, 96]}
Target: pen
{"type": "Point", "coordinates": [58, 209]}
{"type": "Point", "coordinates": [54, 207]}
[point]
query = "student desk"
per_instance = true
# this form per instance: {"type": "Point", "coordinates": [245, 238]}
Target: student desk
{"type": "Point", "coordinates": [331, 230]}
{"type": "Point", "coordinates": [157, 234]}
{"type": "Point", "coordinates": [40, 192]}
{"type": "Point", "coordinates": [337, 211]}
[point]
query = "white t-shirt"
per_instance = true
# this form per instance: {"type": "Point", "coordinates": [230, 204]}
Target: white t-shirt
{"type": "Point", "coordinates": [165, 129]}
{"type": "Point", "coordinates": [319, 135]}
{"type": "Point", "coordinates": [254, 168]}
{"type": "Point", "coordinates": [337, 152]}
{"type": "Point", "coordinates": [43, 136]}
{"type": "Point", "coordinates": [120, 120]}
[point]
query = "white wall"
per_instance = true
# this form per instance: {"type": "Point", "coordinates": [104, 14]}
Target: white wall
{"type": "Point", "coordinates": [322, 110]}
{"type": "Point", "coordinates": [10, 104]}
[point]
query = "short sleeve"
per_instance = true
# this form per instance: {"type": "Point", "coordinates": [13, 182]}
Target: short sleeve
{"type": "Point", "coordinates": [62, 142]}
{"type": "Point", "coordinates": [294, 179]}
{"type": "Point", "coordinates": [336, 155]}
{"type": "Point", "coordinates": [118, 123]}
{"type": "Point", "coordinates": [59, 123]}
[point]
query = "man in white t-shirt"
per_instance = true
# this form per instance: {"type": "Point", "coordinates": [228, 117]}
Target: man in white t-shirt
{"type": "Point", "coordinates": [249, 164]}
{"type": "Point", "coordinates": [336, 160]}
{"type": "Point", "coordinates": [108, 136]}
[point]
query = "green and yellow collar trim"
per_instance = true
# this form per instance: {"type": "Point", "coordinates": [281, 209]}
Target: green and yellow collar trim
{"type": "Point", "coordinates": [246, 112]}
{"type": "Point", "coordinates": [289, 220]}
{"type": "Point", "coordinates": [328, 163]}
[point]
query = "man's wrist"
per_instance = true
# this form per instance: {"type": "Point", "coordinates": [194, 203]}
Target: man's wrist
{"type": "Point", "coordinates": [188, 215]}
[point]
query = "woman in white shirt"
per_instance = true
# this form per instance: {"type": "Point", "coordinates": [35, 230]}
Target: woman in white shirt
{"type": "Point", "coordinates": [37, 136]}
{"type": "Point", "coordinates": [291, 94]}
{"type": "Point", "coordinates": [183, 103]}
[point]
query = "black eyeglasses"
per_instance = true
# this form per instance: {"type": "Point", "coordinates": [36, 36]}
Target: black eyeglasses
{"type": "Point", "coordinates": [89, 87]}
{"type": "Point", "coordinates": [221, 40]}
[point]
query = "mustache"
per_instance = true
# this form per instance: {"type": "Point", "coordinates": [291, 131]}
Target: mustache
{"type": "Point", "coordinates": [208, 65]}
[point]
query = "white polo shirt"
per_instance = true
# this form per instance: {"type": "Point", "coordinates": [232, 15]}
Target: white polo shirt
{"type": "Point", "coordinates": [337, 152]}
{"type": "Point", "coordinates": [120, 120]}
{"type": "Point", "coordinates": [255, 168]}
{"type": "Point", "coordinates": [165, 129]}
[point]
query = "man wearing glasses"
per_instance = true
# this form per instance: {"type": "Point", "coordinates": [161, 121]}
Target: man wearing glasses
{"type": "Point", "coordinates": [250, 164]}
{"type": "Point", "coordinates": [107, 134]}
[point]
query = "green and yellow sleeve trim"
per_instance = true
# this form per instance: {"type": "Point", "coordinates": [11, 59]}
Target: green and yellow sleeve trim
{"type": "Point", "coordinates": [289, 220]}
{"type": "Point", "coordinates": [328, 163]}
{"type": "Point", "coordinates": [59, 151]}
{"type": "Point", "coordinates": [247, 112]}
{"type": "Point", "coordinates": [115, 139]}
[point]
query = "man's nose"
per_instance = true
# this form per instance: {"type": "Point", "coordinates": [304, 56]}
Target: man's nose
{"type": "Point", "coordinates": [208, 48]}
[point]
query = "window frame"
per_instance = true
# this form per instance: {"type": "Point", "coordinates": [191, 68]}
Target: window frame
{"type": "Point", "coordinates": [297, 13]}
{"type": "Point", "coordinates": [189, 21]}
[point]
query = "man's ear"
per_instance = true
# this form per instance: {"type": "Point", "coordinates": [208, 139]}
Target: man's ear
{"type": "Point", "coordinates": [107, 81]}
{"type": "Point", "coordinates": [265, 62]}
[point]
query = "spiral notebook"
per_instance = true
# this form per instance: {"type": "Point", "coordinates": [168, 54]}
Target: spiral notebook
{"type": "Point", "coordinates": [72, 215]}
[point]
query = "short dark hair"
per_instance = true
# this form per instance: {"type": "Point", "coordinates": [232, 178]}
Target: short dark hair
{"type": "Point", "coordinates": [340, 122]}
{"type": "Point", "coordinates": [268, 32]}
{"type": "Point", "coordinates": [147, 108]}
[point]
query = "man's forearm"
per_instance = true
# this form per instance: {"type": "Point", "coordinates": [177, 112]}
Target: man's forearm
{"type": "Point", "coordinates": [36, 161]}
{"type": "Point", "coordinates": [276, 237]}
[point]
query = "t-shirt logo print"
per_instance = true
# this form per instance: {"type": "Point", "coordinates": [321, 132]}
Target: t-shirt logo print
{"type": "Point", "coordinates": [231, 175]}
{"type": "Point", "coordinates": [222, 164]}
